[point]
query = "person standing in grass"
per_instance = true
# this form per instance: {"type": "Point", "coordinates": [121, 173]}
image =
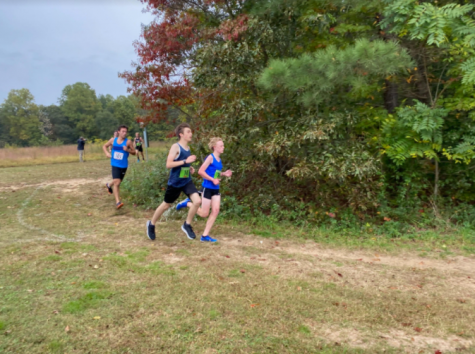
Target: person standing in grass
{"type": "Point", "coordinates": [179, 162]}
{"type": "Point", "coordinates": [121, 147]}
{"type": "Point", "coordinates": [81, 143]}
{"type": "Point", "coordinates": [138, 146]}
{"type": "Point", "coordinates": [211, 198]}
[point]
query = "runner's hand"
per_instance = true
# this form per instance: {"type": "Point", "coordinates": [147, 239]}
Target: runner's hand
{"type": "Point", "coordinates": [228, 173]}
{"type": "Point", "coordinates": [192, 170]}
{"type": "Point", "coordinates": [216, 181]}
{"type": "Point", "coordinates": [108, 155]}
{"type": "Point", "coordinates": [190, 159]}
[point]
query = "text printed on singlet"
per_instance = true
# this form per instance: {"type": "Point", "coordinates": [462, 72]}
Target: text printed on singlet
{"type": "Point", "coordinates": [118, 155]}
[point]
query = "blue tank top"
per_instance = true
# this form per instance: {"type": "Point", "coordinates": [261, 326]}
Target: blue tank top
{"type": "Point", "coordinates": [180, 176]}
{"type": "Point", "coordinates": [119, 156]}
{"type": "Point", "coordinates": [214, 171]}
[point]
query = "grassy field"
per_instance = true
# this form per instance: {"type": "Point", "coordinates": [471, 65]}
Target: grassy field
{"type": "Point", "coordinates": [30, 156]}
{"type": "Point", "coordinates": [78, 276]}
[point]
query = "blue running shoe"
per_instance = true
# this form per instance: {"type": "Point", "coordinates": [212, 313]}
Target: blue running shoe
{"type": "Point", "coordinates": [182, 204]}
{"type": "Point", "coordinates": [208, 239]}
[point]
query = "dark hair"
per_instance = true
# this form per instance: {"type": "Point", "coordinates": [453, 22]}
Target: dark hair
{"type": "Point", "coordinates": [179, 130]}
{"type": "Point", "coordinates": [123, 126]}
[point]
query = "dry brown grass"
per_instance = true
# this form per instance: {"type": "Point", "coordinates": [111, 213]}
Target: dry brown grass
{"type": "Point", "coordinates": [75, 262]}
{"type": "Point", "coordinates": [29, 156]}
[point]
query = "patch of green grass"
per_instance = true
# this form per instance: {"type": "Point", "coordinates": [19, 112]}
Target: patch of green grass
{"type": "Point", "coordinates": [87, 301]}
{"type": "Point", "coordinates": [235, 273]}
{"type": "Point", "coordinates": [94, 285]}
{"type": "Point", "coordinates": [304, 329]}
{"type": "Point", "coordinates": [52, 258]}
{"type": "Point", "coordinates": [56, 347]}
{"type": "Point", "coordinates": [213, 314]}
{"type": "Point", "coordinates": [138, 256]}
{"type": "Point", "coordinates": [2, 325]}
{"type": "Point", "coordinates": [74, 247]}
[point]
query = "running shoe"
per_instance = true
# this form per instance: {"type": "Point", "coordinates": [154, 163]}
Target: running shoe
{"type": "Point", "coordinates": [182, 204]}
{"type": "Point", "coordinates": [188, 230]}
{"type": "Point", "coordinates": [109, 189]}
{"type": "Point", "coordinates": [150, 230]}
{"type": "Point", "coordinates": [208, 239]}
{"type": "Point", "coordinates": [119, 205]}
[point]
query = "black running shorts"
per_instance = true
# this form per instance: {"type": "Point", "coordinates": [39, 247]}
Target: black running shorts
{"type": "Point", "coordinates": [139, 148]}
{"type": "Point", "coordinates": [118, 173]}
{"type": "Point", "coordinates": [172, 193]}
{"type": "Point", "coordinates": [207, 193]}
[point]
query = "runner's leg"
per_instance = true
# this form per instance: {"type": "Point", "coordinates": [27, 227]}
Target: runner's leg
{"type": "Point", "coordinates": [196, 202]}
{"type": "Point", "coordinates": [115, 188]}
{"type": "Point", "coordinates": [159, 212]}
{"type": "Point", "coordinates": [215, 204]}
{"type": "Point", "coordinates": [203, 210]}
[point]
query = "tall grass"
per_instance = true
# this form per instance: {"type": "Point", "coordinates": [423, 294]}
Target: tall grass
{"type": "Point", "coordinates": [10, 157]}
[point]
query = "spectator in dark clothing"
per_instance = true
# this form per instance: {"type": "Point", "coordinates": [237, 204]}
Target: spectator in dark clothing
{"type": "Point", "coordinates": [81, 143]}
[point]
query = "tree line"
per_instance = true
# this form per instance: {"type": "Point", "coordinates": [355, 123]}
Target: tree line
{"type": "Point", "coordinates": [80, 112]}
{"type": "Point", "coordinates": [358, 105]}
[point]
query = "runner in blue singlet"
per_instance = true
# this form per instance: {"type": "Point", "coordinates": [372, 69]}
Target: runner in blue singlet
{"type": "Point", "coordinates": [211, 171]}
{"type": "Point", "coordinates": [120, 147]}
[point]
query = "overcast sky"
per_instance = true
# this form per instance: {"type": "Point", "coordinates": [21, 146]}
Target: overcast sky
{"type": "Point", "coordinates": [48, 44]}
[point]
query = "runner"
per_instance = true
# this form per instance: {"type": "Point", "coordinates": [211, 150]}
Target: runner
{"type": "Point", "coordinates": [121, 148]}
{"type": "Point", "coordinates": [179, 160]}
{"type": "Point", "coordinates": [138, 146]}
{"type": "Point", "coordinates": [211, 173]}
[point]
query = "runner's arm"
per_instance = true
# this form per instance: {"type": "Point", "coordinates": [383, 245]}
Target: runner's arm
{"type": "Point", "coordinates": [172, 155]}
{"type": "Point", "coordinates": [228, 173]}
{"type": "Point", "coordinates": [106, 145]}
{"type": "Point", "coordinates": [130, 148]}
{"type": "Point", "coordinates": [204, 166]}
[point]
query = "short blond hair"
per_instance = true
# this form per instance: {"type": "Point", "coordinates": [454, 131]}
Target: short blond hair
{"type": "Point", "coordinates": [213, 142]}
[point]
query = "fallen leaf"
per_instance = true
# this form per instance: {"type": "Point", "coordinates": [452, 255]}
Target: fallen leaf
{"type": "Point", "coordinates": [96, 266]}
{"type": "Point", "coordinates": [299, 288]}
{"type": "Point", "coordinates": [227, 256]}
{"type": "Point", "coordinates": [97, 317]}
{"type": "Point", "coordinates": [55, 312]}
{"type": "Point", "coordinates": [89, 214]}
{"type": "Point", "coordinates": [57, 252]}
{"type": "Point", "coordinates": [387, 219]}
{"type": "Point", "coordinates": [203, 259]}
{"type": "Point", "coordinates": [30, 291]}
{"type": "Point", "coordinates": [53, 273]}
{"type": "Point", "coordinates": [339, 274]}
{"type": "Point", "coordinates": [7, 332]}
{"type": "Point", "coordinates": [417, 329]}
{"type": "Point", "coordinates": [437, 352]}
{"type": "Point", "coordinates": [66, 329]}
{"type": "Point", "coordinates": [462, 301]}
{"type": "Point", "coordinates": [406, 324]}
{"type": "Point", "coordinates": [254, 305]}
{"type": "Point", "coordinates": [243, 271]}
